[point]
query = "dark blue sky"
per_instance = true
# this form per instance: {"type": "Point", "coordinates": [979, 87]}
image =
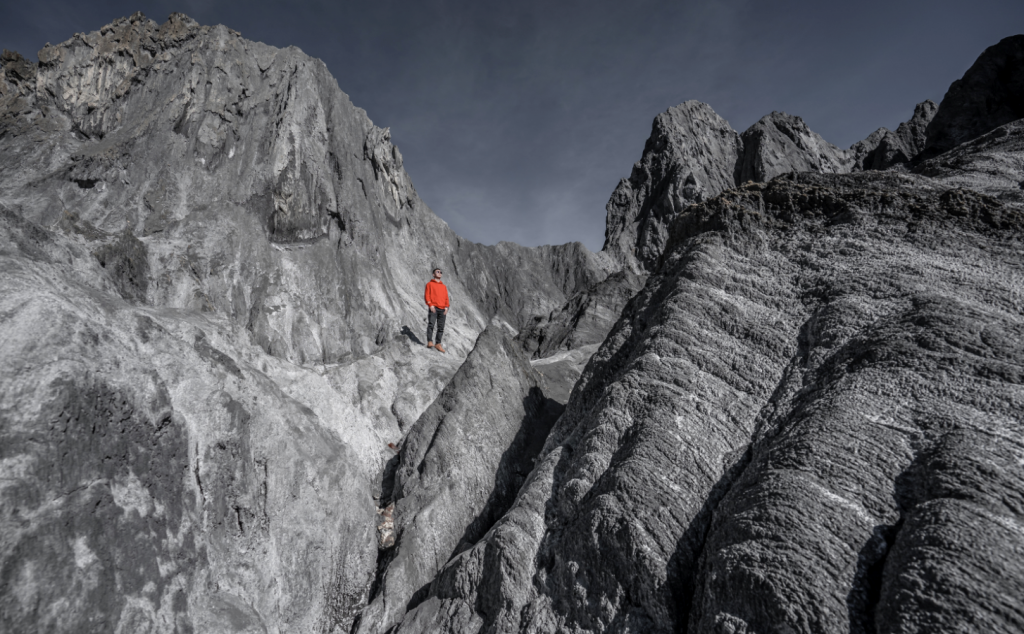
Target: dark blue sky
{"type": "Point", "coordinates": [517, 119]}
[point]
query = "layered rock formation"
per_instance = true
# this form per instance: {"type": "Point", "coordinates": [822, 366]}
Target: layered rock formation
{"type": "Point", "coordinates": [765, 423]}
{"type": "Point", "coordinates": [805, 392]}
{"type": "Point", "coordinates": [213, 325]}
{"type": "Point", "coordinates": [993, 164]}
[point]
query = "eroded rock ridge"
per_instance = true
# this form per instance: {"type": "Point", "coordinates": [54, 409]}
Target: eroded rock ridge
{"type": "Point", "coordinates": [786, 396]}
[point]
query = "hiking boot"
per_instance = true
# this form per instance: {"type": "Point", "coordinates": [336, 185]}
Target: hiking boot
{"type": "Point", "coordinates": [439, 348]}
{"type": "Point", "coordinates": [430, 344]}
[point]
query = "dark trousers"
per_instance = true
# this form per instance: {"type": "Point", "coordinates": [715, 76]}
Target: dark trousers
{"type": "Point", "coordinates": [438, 316]}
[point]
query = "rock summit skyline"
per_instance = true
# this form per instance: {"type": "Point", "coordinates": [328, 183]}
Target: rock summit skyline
{"type": "Point", "coordinates": [778, 399]}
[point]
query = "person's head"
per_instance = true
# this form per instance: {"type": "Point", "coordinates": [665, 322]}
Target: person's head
{"type": "Point", "coordinates": [437, 274]}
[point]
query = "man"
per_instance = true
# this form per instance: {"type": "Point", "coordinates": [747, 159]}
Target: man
{"type": "Point", "coordinates": [436, 296]}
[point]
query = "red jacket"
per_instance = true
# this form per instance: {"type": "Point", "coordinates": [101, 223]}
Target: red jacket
{"type": "Point", "coordinates": [436, 294]}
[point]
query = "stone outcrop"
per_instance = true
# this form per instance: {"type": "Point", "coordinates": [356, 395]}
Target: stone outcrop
{"type": "Point", "coordinates": [154, 478]}
{"type": "Point", "coordinates": [693, 155]}
{"type": "Point", "coordinates": [780, 143]}
{"type": "Point", "coordinates": [884, 149]}
{"type": "Point", "coordinates": [992, 164]}
{"type": "Point", "coordinates": [728, 459]}
{"type": "Point", "coordinates": [688, 158]}
{"type": "Point", "coordinates": [217, 412]}
{"type": "Point", "coordinates": [989, 95]}
{"type": "Point", "coordinates": [459, 470]}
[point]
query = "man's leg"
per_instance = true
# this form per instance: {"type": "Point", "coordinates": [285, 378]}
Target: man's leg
{"type": "Point", "coordinates": [430, 327]}
{"type": "Point", "coordinates": [441, 315]}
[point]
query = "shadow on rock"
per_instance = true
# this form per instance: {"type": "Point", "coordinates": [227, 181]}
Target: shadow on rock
{"type": "Point", "coordinates": [514, 467]}
{"type": "Point", "coordinates": [412, 337]}
{"type": "Point", "coordinates": [684, 567]}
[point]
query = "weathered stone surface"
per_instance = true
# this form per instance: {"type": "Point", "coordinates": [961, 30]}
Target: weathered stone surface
{"type": "Point", "coordinates": [258, 190]}
{"type": "Point", "coordinates": [884, 149]}
{"type": "Point", "coordinates": [585, 319]}
{"type": "Point", "coordinates": [151, 479]}
{"type": "Point", "coordinates": [214, 219]}
{"type": "Point", "coordinates": [460, 467]}
{"type": "Point", "coordinates": [883, 381]}
{"type": "Point", "coordinates": [780, 143]}
{"type": "Point", "coordinates": [211, 350]}
{"type": "Point", "coordinates": [992, 164]}
{"type": "Point", "coordinates": [807, 315]}
{"type": "Point", "coordinates": [990, 94]}
{"type": "Point", "coordinates": [689, 157]}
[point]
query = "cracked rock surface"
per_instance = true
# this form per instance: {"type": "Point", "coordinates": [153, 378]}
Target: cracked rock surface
{"type": "Point", "coordinates": [459, 469]}
{"type": "Point", "coordinates": [782, 406]}
{"type": "Point", "coordinates": [775, 412]}
{"type": "Point", "coordinates": [212, 266]}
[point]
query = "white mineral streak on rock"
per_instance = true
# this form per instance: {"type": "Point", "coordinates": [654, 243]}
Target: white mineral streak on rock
{"type": "Point", "coordinates": [787, 403]}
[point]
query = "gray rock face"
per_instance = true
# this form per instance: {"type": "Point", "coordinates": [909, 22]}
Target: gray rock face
{"type": "Point", "coordinates": [989, 95]}
{"type": "Point", "coordinates": [728, 460]}
{"type": "Point", "coordinates": [267, 197]}
{"type": "Point", "coordinates": [780, 143]}
{"type": "Point", "coordinates": [884, 149]}
{"type": "Point", "coordinates": [805, 393]}
{"type": "Point", "coordinates": [152, 477]}
{"type": "Point", "coordinates": [212, 271]}
{"type": "Point", "coordinates": [868, 461]}
{"type": "Point", "coordinates": [459, 469]}
{"type": "Point", "coordinates": [693, 155]}
{"type": "Point", "coordinates": [585, 319]}
{"type": "Point", "coordinates": [992, 164]}
{"type": "Point", "coordinates": [688, 158]}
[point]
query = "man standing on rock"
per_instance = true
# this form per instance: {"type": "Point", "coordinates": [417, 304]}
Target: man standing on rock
{"type": "Point", "coordinates": [436, 297]}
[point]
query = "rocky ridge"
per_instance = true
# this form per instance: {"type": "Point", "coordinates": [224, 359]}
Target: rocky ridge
{"type": "Point", "coordinates": [989, 95]}
{"type": "Point", "coordinates": [215, 216]}
{"type": "Point", "coordinates": [812, 396]}
{"type": "Point", "coordinates": [459, 470]}
{"type": "Point", "coordinates": [693, 154]}
{"type": "Point", "coordinates": [784, 429]}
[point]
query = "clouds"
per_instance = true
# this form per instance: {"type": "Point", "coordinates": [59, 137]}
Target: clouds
{"type": "Point", "coordinates": [517, 119]}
